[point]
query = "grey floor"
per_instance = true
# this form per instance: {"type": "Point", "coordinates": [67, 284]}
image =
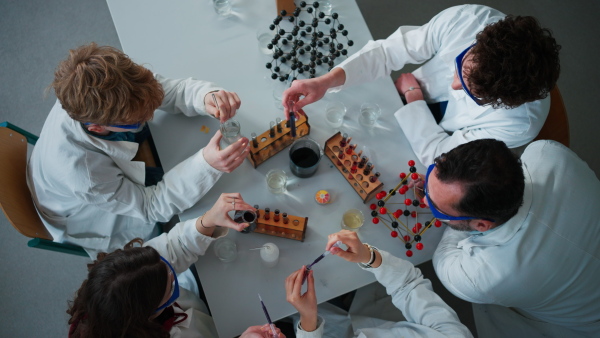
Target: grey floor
{"type": "Point", "coordinates": [36, 34]}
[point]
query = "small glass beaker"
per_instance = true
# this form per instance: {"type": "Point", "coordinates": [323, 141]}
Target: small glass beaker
{"type": "Point", "coordinates": [353, 219]}
{"type": "Point", "coordinates": [222, 7]}
{"type": "Point", "coordinates": [276, 181]}
{"type": "Point", "coordinates": [325, 6]}
{"type": "Point", "coordinates": [334, 114]}
{"type": "Point", "coordinates": [369, 113]}
{"type": "Point", "coordinates": [246, 216]}
{"type": "Point", "coordinates": [264, 37]}
{"type": "Point", "coordinates": [231, 131]}
{"type": "Point", "coordinates": [225, 249]}
{"type": "Point", "coordinates": [305, 154]}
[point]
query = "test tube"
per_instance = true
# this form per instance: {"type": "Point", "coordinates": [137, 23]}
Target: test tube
{"type": "Point", "coordinates": [278, 122]}
{"type": "Point", "coordinates": [276, 215]}
{"type": "Point", "coordinates": [368, 168]}
{"type": "Point", "coordinates": [254, 140]}
{"type": "Point", "coordinates": [267, 214]}
{"type": "Point", "coordinates": [374, 177]}
{"type": "Point", "coordinates": [257, 211]}
{"type": "Point", "coordinates": [350, 149]}
{"type": "Point", "coordinates": [341, 154]}
{"type": "Point", "coordinates": [354, 167]}
{"type": "Point", "coordinates": [344, 140]}
{"type": "Point", "coordinates": [362, 163]}
{"type": "Point", "coordinates": [286, 220]}
{"type": "Point", "coordinates": [272, 129]}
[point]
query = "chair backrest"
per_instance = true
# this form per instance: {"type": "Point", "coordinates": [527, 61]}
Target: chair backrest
{"type": "Point", "coordinates": [556, 126]}
{"type": "Point", "coordinates": [15, 198]}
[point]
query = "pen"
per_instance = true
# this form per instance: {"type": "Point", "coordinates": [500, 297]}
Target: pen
{"type": "Point", "coordinates": [268, 317]}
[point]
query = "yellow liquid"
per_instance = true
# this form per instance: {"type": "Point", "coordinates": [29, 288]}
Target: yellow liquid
{"type": "Point", "coordinates": [352, 221]}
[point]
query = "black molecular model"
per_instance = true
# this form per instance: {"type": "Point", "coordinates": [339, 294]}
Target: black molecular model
{"type": "Point", "coordinates": [304, 46]}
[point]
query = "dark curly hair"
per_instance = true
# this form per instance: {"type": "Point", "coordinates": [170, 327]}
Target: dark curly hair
{"type": "Point", "coordinates": [491, 175]}
{"type": "Point", "coordinates": [515, 61]}
{"type": "Point", "coordinates": [122, 291]}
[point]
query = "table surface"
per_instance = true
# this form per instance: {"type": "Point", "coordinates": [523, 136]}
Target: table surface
{"type": "Point", "coordinates": [187, 39]}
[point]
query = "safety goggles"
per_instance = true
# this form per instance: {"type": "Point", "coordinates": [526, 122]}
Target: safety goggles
{"type": "Point", "coordinates": [438, 214]}
{"type": "Point", "coordinates": [174, 287]}
{"type": "Point", "coordinates": [458, 63]}
{"type": "Point", "coordinates": [123, 126]}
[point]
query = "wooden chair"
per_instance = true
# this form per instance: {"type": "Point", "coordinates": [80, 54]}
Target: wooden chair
{"type": "Point", "coordinates": [15, 198]}
{"type": "Point", "coordinates": [556, 126]}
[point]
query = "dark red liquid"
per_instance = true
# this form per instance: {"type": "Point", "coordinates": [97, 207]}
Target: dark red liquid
{"type": "Point", "coordinates": [304, 157]}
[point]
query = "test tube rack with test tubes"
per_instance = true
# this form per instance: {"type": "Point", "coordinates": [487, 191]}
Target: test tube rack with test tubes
{"type": "Point", "coordinates": [279, 224]}
{"type": "Point", "coordinates": [275, 139]}
{"type": "Point", "coordinates": [404, 223]}
{"type": "Point", "coordinates": [355, 168]}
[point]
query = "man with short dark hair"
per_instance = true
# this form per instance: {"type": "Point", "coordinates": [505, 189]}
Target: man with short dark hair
{"type": "Point", "coordinates": [522, 237]}
{"type": "Point", "coordinates": [484, 75]}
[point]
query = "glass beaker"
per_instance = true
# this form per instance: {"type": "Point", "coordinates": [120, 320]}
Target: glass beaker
{"type": "Point", "coordinates": [305, 154]}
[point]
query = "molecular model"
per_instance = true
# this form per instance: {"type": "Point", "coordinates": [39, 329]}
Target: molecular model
{"type": "Point", "coordinates": [399, 221]}
{"type": "Point", "coordinates": [307, 41]}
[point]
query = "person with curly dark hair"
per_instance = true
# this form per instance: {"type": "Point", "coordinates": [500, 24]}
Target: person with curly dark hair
{"type": "Point", "coordinates": [484, 75]}
{"type": "Point", "coordinates": [134, 292]}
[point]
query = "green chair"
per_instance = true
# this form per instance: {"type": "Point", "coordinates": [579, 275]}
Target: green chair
{"type": "Point", "coordinates": [15, 198]}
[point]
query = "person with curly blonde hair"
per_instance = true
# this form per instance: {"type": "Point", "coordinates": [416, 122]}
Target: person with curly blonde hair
{"type": "Point", "coordinates": [85, 184]}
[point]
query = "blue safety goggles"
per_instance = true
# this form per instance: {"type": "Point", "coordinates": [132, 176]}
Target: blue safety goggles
{"type": "Point", "coordinates": [174, 288]}
{"type": "Point", "coordinates": [122, 126]}
{"type": "Point", "coordinates": [458, 63]}
{"type": "Point", "coordinates": [438, 214]}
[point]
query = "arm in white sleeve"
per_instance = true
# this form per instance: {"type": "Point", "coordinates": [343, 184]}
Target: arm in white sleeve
{"type": "Point", "coordinates": [428, 140]}
{"type": "Point", "coordinates": [317, 333]}
{"type": "Point", "coordinates": [185, 96]}
{"type": "Point", "coordinates": [458, 270]}
{"type": "Point", "coordinates": [184, 244]}
{"type": "Point", "coordinates": [407, 45]}
{"type": "Point", "coordinates": [180, 188]}
{"type": "Point", "coordinates": [426, 313]}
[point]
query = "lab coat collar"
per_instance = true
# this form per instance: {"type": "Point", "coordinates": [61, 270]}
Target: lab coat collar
{"type": "Point", "coordinates": [506, 231]}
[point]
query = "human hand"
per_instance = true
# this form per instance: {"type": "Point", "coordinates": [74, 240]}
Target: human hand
{"type": "Point", "coordinates": [356, 252]}
{"type": "Point", "coordinates": [225, 160]}
{"type": "Point", "coordinates": [218, 214]}
{"type": "Point", "coordinates": [306, 303]}
{"type": "Point", "coordinates": [228, 102]}
{"type": "Point", "coordinates": [263, 331]}
{"type": "Point", "coordinates": [403, 85]}
{"type": "Point", "coordinates": [311, 90]}
{"type": "Point", "coordinates": [418, 186]}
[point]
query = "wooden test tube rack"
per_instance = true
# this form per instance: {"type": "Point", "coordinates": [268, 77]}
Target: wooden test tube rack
{"type": "Point", "coordinates": [361, 184]}
{"type": "Point", "coordinates": [268, 146]}
{"type": "Point", "coordinates": [294, 229]}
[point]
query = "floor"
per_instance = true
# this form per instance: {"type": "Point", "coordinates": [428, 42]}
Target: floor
{"type": "Point", "coordinates": [35, 35]}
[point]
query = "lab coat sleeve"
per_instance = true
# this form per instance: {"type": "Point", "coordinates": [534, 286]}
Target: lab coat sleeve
{"type": "Point", "coordinates": [180, 188]}
{"type": "Point", "coordinates": [407, 45]}
{"type": "Point", "coordinates": [429, 140]}
{"type": "Point", "coordinates": [426, 313]}
{"type": "Point", "coordinates": [457, 269]}
{"type": "Point", "coordinates": [185, 96]}
{"type": "Point", "coordinates": [184, 244]}
{"type": "Point", "coordinates": [317, 333]}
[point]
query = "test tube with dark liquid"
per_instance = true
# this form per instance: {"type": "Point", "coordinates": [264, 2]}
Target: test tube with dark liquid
{"type": "Point", "coordinates": [276, 215]}
{"type": "Point", "coordinates": [286, 220]}
{"type": "Point", "coordinates": [267, 214]}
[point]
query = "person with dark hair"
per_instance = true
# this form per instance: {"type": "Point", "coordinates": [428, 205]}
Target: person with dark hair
{"type": "Point", "coordinates": [134, 292]}
{"type": "Point", "coordinates": [484, 75]}
{"type": "Point", "coordinates": [521, 242]}
{"type": "Point", "coordinates": [88, 188]}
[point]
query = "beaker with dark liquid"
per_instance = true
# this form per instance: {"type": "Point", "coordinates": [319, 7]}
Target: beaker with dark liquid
{"type": "Point", "coordinates": [246, 216]}
{"type": "Point", "coordinates": [305, 154]}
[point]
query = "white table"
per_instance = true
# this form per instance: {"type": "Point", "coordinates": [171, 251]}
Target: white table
{"type": "Point", "coordinates": [186, 38]}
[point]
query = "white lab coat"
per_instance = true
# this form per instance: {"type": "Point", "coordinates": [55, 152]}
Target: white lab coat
{"type": "Point", "coordinates": [440, 41]}
{"type": "Point", "coordinates": [426, 313]}
{"type": "Point", "coordinates": [181, 247]}
{"type": "Point", "coordinates": [544, 263]}
{"type": "Point", "coordinates": [89, 192]}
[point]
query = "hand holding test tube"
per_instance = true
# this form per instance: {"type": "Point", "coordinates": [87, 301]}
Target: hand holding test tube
{"type": "Point", "coordinates": [308, 267]}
